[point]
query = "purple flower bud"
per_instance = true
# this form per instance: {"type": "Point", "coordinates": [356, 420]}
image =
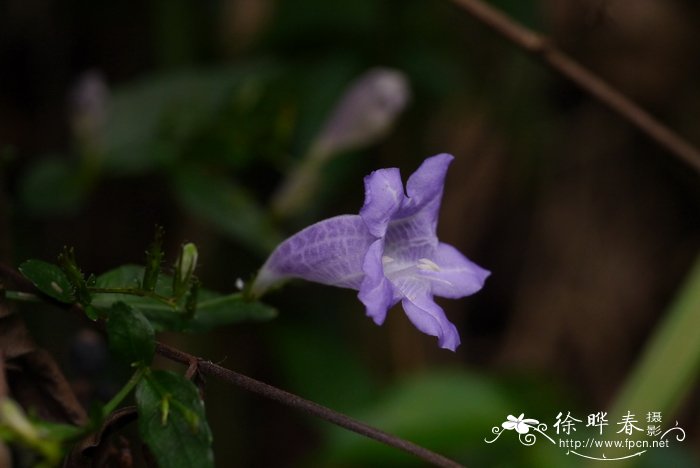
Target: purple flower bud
{"type": "Point", "coordinates": [88, 101]}
{"type": "Point", "coordinates": [365, 112]}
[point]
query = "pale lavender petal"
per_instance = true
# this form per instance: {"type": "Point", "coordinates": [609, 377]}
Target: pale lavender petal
{"type": "Point", "coordinates": [383, 197]}
{"type": "Point", "coordinates": [376, 292]}
{"type": "Point", "coordinates": [410, 239]}
{"type": "Point", "coordinates": [424, 187]}
{"type": "Point", "coordinates": [329, 252]}
{"type": "Point", "coordinates": [430, 319]}
{"type": "Point", "coordinates": [425, 314]}
{"type": "Point", "coordinates": [452, 274]}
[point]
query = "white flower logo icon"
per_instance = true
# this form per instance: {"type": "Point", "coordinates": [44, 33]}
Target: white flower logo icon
{"type": "Point", "coordinates": [521, 425]}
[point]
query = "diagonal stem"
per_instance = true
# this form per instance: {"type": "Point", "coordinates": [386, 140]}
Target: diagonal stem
{"type": "Point", "coordinates": [624, 107]}
{"type": "Point", "coordinates": [304, 405]}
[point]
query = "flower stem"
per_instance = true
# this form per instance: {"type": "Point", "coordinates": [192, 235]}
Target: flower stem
{"type": "Point", "coordinates": [125, 390]}
{"type": "Point", "coordinates": [136, 292]}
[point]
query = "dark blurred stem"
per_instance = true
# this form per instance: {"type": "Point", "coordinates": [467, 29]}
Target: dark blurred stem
{"type": "Point", "coordinates": [309, 407]}
{"type": "Point", "coordinates": [541, 48]}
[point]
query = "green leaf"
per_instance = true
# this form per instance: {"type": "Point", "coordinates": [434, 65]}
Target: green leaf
{"type": "Point", "coordinates": [179, 436]}
{"type": "Point", "coordinates": [228, 206]}
{"type": "Point", "coordinates": [53, 186]}
{"type": "Point", "coordinates": [130, 334]}
{"type": "Point", "coordinates": [149, 119]}
{"type": "Point", "coordinates": [49, 278]}
{"type": "Point", "coordinates": [450, 412]}
{"type": "Point", "coordinates": [213, 309]}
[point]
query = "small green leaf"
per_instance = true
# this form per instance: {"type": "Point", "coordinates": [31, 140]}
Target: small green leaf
{"type": "Point", "coordinates": [92, 313]}
{"type": "Point", "coordinates": [49, 278]}
{"type": "Point", "coordinates": [130, 334]}
{"type": "Point", "coordinates": [172, 421]}
{"type": "Point", "coordinates": [212, 309]}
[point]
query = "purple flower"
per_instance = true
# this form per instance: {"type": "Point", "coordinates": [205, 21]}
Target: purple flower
{"type": "Point", "coordinates": [389, 252]}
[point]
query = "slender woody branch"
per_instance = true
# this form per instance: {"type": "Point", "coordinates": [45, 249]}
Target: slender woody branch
{"type": "Point", "coordinates": [260, 388]}
{"type": "Point", "coordinates": [540, 47]}
{"type": "Point", "coordinates": [309, 407]}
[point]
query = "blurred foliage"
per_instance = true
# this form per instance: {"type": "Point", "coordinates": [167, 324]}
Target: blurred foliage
{"type": "Point", "coordinates": [213, 132]}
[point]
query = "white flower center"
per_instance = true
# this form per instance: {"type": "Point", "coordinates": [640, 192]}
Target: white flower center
{"type": "Point", "coordinates": [426, 264]}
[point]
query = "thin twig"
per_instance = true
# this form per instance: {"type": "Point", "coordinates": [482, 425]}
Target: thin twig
{"type": "Point", "coordinates": [268, 391]}
{"type": "Point", "coordinates": [306, 406]}
{"type": "Point", "coordinates": [540, 47]}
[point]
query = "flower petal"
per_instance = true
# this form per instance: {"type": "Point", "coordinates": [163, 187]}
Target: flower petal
{"type": "Point", "coordinates": [329, 252]}
{"type": "Point", "coordinates": [383, 197]}
{"type": "Point", "coordinates": [509, 425]}
{"type": "Point", "coordinates": [424, 187]}
{"type": "Point", "coordinates": [376, 292]}
{"type": "Point", "coordinates": [455, 275]}
{"type": "Point", "coordinates": [411, 238]}
{"type": "Point", "coordinates": [425, 314]}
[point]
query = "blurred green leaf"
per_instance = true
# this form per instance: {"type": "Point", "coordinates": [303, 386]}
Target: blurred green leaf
{"type": "Point", "coordinates": [449, 412]}
{"type": "Point", "coordinates": [149, 119]}
{"type": "Point", "coordinates": [213, 309]}
{"type": "Point", "coordinates": [172, 421]}
{"type": "Point", "coordinates": [49, 278]}
{"type": "Point", "coordinates": [227, 206]}
{"type": "Point", "coordinates": [53, 186]}
{"type": "Point", "coordinates": [306, 356]}
{"type": "Point", "coordinates": [667, 371]}
{"type": "Point", "coordinates": [130, 334]}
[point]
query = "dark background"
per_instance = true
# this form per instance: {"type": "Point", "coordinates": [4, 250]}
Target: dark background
{"type": "Point", "coordinates": [588, 227]}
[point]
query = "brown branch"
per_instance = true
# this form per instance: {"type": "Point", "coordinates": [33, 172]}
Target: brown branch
{"type": "Point", "coordinates": [309, 407]}
{"type": "Point", "coordinates": [540, 47]}
{"type": "Point", "coordinates": [198, 366]}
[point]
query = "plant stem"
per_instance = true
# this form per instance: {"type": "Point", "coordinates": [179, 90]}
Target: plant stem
{"type": "Point", "coordinates": [136, 292]}
{"type": "Point", "coordinates": [125, 390]}
{"type": "Point", "coordinates": [309, 407]}
{"type": "Point", "coordinates": [540, 47]}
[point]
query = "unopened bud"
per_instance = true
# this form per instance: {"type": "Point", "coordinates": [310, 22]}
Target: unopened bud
{"type": "Point", "coordinates": [364, 114]}
{"type": "Point", "coordinates": [184, 268]}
